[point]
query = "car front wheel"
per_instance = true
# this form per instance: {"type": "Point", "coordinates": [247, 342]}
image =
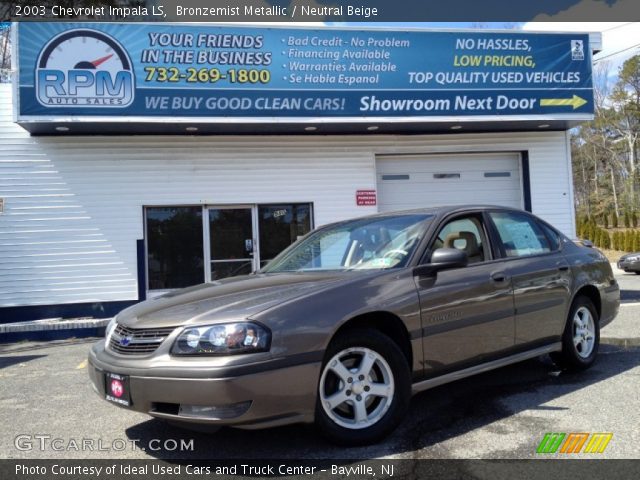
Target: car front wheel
{"type": "Point", "coordinates": [581, 337]}
{"type": "Point", "coordinates": [364, 388]}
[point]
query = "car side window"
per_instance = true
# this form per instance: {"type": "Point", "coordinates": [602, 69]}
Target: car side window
{"type": "Point", "coordinates": [552, 235]}
{"type": "Point", "coordinates": [464, 234]}
{"type": "Point", "coordinates": [520, 234]}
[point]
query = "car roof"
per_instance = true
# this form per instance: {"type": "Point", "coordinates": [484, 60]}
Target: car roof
{"type": "Point", "coordinates": [438, 211]}
{"type": "Point", "coordinates": [445, 209]}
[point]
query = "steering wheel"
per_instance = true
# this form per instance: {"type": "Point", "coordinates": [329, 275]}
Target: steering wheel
{"type": "Point", "coordinates": [395, 251]}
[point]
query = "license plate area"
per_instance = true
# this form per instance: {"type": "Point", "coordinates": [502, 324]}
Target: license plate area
{"type": "Point", "coordinates": [117, 389]}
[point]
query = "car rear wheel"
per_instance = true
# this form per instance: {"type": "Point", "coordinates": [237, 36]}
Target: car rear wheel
{"type": "Point", "coordinates": [364, 388]}
{"type": "Point", "coordinates": [581, 337]}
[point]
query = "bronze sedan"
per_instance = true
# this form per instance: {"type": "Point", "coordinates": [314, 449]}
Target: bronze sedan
{"type": "Point", "coordinates": [343, 326]}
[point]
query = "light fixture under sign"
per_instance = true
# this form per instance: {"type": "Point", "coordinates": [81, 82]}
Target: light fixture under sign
{"type": "Point", "coordinates": [456, 127]}
{"type": "Point", "coordinates": [373, 128]}
{"type": "Point", "coordinates": [544, 125]}
{"type": "Point", "coordinates": [62, 129]}
{"type": "Point", "coordinates": [191, 129]}
{"type": "Point", "coordinates": [310, 129]}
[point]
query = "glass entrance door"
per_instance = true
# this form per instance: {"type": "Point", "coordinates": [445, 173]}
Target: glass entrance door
{"type": "Point", "coordinates": [186, 244]}
{"type": "Point", "coordinates": [231, 241]}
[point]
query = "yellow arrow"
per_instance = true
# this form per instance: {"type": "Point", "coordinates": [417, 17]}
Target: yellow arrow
{"type": "Point", "coordinates": [574, 102]}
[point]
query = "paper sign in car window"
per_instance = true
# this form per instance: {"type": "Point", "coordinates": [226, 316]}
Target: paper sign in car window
{"type": "Point", "coordinates": [523, 237]}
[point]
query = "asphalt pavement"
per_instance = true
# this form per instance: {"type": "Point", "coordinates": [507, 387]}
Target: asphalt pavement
{"type": "Point", "coordinates": [49, 410]}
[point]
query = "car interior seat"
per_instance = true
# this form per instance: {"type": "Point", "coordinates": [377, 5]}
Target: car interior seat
{"type": "Point", "coordinates": [465, 241]}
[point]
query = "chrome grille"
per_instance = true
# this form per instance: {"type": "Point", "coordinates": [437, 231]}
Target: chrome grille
{"type": "Point", "coordinates": [137, 341]}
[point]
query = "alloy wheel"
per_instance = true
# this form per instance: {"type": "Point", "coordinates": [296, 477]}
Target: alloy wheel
{"type": "Point", "coordinates": [356, 388]}
{"type": "Point", "coordinates": [584, 332]}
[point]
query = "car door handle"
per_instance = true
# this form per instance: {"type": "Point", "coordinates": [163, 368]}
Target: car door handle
{"type": "Point", "coordinates": [499, 277]}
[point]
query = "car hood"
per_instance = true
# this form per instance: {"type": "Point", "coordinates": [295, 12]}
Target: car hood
{"type": "Point", "coordinates": [229, 299]}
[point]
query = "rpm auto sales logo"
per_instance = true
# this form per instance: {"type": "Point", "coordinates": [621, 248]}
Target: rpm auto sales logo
{"type": "Point", "coordinates": [84, 68]}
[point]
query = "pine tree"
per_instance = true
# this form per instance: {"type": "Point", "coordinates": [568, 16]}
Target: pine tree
{"type": "Point", "coordinates": [634, 219]}
{"type": "Point", "coordinates": [614, 220]}
{"type": "Point", "coordinates": [627, 220]}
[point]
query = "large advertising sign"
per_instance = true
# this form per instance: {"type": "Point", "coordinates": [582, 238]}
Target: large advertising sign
{"type": "Point", "coordinates": [163, 70]}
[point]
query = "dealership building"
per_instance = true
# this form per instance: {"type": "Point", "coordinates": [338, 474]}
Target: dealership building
{"type": "Point", "coordinates": [140, 158]}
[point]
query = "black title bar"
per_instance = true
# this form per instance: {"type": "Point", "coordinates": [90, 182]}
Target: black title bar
{"type": "Point", "coordinates": [476, 11]}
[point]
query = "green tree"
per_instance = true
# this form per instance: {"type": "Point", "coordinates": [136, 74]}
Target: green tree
{"type": "Point", "coordinates": [605, 150]}
{"type": "Point", "coordinates": [625, 101]}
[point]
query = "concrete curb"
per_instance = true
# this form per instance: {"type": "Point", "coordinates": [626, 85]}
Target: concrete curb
{"type": "Point", "coordinates": [52, 329]}
{"type": "Point", "coordinates": [620, 342]}
{"type": "Point", "coordinates": [53, 324]}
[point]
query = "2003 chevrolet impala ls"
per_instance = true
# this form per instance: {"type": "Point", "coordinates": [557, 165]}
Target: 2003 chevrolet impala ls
{"type": "Point", "coordinates": [343, 326]}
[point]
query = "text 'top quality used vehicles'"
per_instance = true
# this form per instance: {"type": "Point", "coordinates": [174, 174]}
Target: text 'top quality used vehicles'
{"type": "Point", "coordinates": [343, 326]}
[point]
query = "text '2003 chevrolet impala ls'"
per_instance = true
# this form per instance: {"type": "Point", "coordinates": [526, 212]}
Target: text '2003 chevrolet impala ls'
{"type": "Point", "coordinates": [343, 326]}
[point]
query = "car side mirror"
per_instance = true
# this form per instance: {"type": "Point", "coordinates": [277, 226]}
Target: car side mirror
{"type": "Point", "coordinates": [585, 243]}
{"type": "Point", "coordinates": [443, 259]}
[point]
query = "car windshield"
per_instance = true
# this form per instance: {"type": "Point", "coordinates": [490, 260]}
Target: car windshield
{"type": "Point", "coordinates": [366, 243]}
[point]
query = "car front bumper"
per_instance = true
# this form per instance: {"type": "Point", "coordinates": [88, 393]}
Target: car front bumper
{"type": "Point", "coordinates": [272, 397]}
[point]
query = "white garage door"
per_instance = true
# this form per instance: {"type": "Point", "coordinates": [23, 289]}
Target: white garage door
{"type": "Point", "coordinates": [406, 182]}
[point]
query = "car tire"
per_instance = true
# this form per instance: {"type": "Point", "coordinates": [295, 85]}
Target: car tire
{"type": "Point", "coordinates": [637, 273]}
{"type": "Point", "coordinates": [357, 362]}
{"type": "Point", "coordinates": [581, 337]}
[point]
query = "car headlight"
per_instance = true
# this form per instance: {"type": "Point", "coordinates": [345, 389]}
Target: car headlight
{"type": "Point", "coordinates": [111, 326]}
{"type": "Point", "coordinates": [223, 339]}
{"type": "Point", "coordinates": [632, 259]}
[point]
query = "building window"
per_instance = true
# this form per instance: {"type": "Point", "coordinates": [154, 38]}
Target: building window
{"type": "Point", "coordinates": [280, 225]}
{"type": "Point", "coordinates": [441, 176]}
{"type": "Point", "coordinates": [174, 247]}
{"type": "Point", "coordinates": [176, 243]}
{"type": "Point", "coordinates": [389, 176]}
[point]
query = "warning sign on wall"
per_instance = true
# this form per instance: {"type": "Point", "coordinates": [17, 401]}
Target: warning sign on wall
{"type": "Point", "coordinates": [365, 198]}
